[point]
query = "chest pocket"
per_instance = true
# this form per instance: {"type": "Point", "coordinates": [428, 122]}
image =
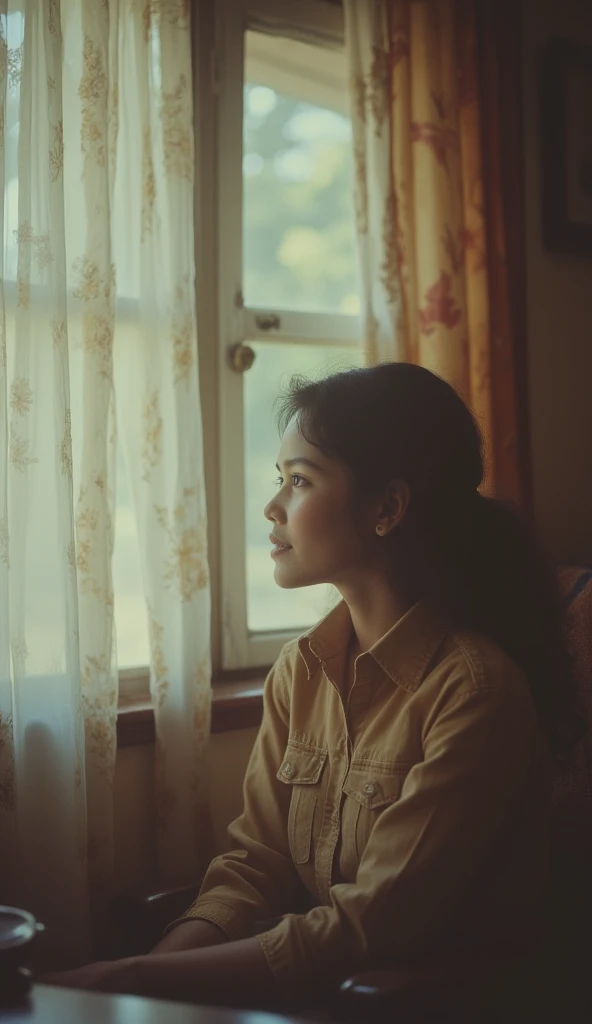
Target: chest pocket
{"type": "Point", "coordinates": [368, 791]}
{"type": "Point", "coordinates": [302, 769]}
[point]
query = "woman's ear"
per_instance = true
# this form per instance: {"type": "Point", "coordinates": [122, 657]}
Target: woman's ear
{"type": "Point", "coordinates": [393, 507]}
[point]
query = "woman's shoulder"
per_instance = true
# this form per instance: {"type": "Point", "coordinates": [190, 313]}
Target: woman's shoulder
{"type": "Point", "coordinates": [471, 663]}
{"type": "Point", "coordinates": [286, 666]}
{"type": "Point", "coordinates": [475, 683]}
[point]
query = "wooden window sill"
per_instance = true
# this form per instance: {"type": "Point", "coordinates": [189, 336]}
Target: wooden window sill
{"type": "Point", "coordinates": [237, 703]}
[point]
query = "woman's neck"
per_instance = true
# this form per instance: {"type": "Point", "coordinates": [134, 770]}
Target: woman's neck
{"type": "Point", "coordinates": [374, 609]}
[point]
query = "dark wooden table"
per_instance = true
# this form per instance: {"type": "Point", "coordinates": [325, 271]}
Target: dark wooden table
{"type": "Point", "coordinates": [49, 1005]}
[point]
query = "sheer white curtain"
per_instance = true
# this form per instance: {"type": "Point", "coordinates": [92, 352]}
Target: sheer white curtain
{"type": "Point", "coordinates": [369, 72]}
{"type": "Point", "coordinates": [98, 332]}
{"type": "Point", "coordinates": [158, 411]}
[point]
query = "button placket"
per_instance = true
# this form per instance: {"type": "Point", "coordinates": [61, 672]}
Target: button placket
{"type": "Point", "coordinates": [359, 701]}
{"type": "Point", "coordinates": [330, 831]}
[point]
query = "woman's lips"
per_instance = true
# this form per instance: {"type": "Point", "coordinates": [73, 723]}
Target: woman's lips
{"type": "Point", "coordinates": [278, 548]}
{"type": "Point", "coordinates": [277, 551]}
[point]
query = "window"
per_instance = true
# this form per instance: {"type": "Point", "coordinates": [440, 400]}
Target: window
{"type": "Point", "coordinates": [276, 275]}
{"type": "Point", "coordinates": [288, 290]}
{"type": "Point", "coordinates": [130, 608]}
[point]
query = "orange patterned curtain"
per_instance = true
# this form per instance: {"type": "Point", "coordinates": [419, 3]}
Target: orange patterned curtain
{"type": "Point", "coordinates": [437, 137]}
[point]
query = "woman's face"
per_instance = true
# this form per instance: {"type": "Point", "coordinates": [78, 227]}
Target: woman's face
{"type": "Point", "coordinates": [311, 516]}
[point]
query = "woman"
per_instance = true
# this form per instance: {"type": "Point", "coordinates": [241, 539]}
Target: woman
{"type": "Point", "coordinates": [396, 804]}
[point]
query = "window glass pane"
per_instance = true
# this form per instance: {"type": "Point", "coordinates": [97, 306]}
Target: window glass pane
{"type": "Point", "coordinates": [268, 606]}
{"type": "Point", "coordinates": [298, 216]}
{"type": "Point", "coordinates": [131, 620]}
{"type": "Point", "coordinates": [12, 27]}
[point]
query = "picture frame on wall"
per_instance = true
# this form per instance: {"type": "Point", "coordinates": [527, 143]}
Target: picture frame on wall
{"type": "Point", "coordinates": [566, 133]}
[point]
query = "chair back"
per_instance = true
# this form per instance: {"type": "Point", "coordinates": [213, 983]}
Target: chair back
{"type": "Point", "coordinates": [570, 949]}
{"type": "Point", "coordinates": [572, 798]}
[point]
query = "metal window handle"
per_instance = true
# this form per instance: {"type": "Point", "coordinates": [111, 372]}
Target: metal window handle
{"type": "Point", "coordinates": [241, 357]}
{"type": "Point", "coordinates": [268, 322]}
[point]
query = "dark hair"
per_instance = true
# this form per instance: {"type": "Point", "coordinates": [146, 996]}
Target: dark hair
{"type": "Point", "coordinates": [471, 555]}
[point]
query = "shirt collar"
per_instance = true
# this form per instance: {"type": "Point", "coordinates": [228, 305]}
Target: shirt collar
{"type": "Point", "coordinates": [403, 653]}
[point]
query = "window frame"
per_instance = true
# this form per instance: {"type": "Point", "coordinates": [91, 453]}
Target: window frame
{"type": "Point", "coordinates": [312, 21]}
{"type": "Point", "coordinates": [217, 30]}
{"type": "Point", "coordinates": [218, 70]}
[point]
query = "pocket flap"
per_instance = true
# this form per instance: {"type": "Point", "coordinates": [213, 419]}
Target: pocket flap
{"type": "Point", "coordinates": [301, 767]}
{"type": "Point", "coordinates": [374, 788]}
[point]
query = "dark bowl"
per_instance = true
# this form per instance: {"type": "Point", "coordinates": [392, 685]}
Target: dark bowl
{"type": "Point", "coordinates": [18, 929]}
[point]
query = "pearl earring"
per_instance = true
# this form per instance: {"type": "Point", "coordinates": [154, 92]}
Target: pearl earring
{"type": "Point", "coordinates": [380, 529]}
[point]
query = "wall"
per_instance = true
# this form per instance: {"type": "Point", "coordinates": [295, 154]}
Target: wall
{"type": "Point", "coordinates": [135, 862]}
{"type": "Point", "coordinates": [559, 307]}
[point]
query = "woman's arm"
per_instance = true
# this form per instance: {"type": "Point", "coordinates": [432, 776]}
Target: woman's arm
{"type": "Point", "coordinates": [213, 942]}
{"type": "Point", "coordinates": [256, 879]}
{"type": "Point", "coordinates": [234, 974]}
{"type": "Point", "coordinates": [190, 934]}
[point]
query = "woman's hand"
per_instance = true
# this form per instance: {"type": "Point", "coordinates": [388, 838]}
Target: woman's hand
{"type": "Point", "coordinates": [188, 976]}
{"type": "Point", "coordinates": [103, 976]}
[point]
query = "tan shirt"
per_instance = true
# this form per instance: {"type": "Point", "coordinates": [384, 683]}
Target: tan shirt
{"type": "Point", "coordinates": [405, 827]}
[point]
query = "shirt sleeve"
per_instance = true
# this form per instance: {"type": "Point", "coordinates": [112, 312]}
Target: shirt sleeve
{"type": "Point", "coordinates": [256, 881]}
{"type": "Point", "coordinates": [425, 849]}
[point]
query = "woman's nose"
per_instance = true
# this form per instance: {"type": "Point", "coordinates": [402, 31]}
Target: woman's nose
{"type": "Point", "coordinates": [274, 512]}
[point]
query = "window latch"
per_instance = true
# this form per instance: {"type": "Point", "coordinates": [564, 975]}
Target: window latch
{"type": "Point", "coordinates": [241, 357]}
{"type": "Point", "coordinates": [268, 322]}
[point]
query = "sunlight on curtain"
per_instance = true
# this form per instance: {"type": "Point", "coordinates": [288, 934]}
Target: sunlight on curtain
{"type": "Point", "coordinates": [42, 792]}
{"type": "Point", "coordinates": [98, 336]}
{"type": "Point", "coordinates": [158, 411]}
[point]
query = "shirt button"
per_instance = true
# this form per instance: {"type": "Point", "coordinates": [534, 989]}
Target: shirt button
{"type": "Point", "coordinates": [369, 789]}
{"type": "Point", "coordinates": [287, 770]}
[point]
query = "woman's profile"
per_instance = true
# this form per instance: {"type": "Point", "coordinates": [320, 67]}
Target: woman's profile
{"type": "Point", "coordinates": [397, 799]}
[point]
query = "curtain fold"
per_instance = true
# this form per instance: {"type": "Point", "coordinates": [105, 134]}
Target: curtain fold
{"type": "Point", "coordinates": [93, 302]}
{"type": "Point", "coordinates": [42, 800]}
{"type": "Point", "coordinates": [99, 350]}
{"type": "Point", "coordinates": [428, 85]}
{"type": "Point", "coordinates": [160, 423]}
{"type": "Point", "coordinates": [499, 41]}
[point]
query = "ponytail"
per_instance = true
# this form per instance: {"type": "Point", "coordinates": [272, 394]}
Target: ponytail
{"type": "Point", "coordinates": [476, 559]}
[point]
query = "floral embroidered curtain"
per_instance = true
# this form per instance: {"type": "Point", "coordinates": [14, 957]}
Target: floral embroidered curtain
{"type": "Point", "coordinates": [98, 349]}
{"type": "Point", "coordinates": [435, 87]}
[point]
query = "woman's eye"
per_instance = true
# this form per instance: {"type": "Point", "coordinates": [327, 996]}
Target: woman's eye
{"type": "Point", "coordinates": [295, 478]}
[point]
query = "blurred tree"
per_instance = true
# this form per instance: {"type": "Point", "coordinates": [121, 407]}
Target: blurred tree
{"type": "Point", "coordinates": [299, 243]}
